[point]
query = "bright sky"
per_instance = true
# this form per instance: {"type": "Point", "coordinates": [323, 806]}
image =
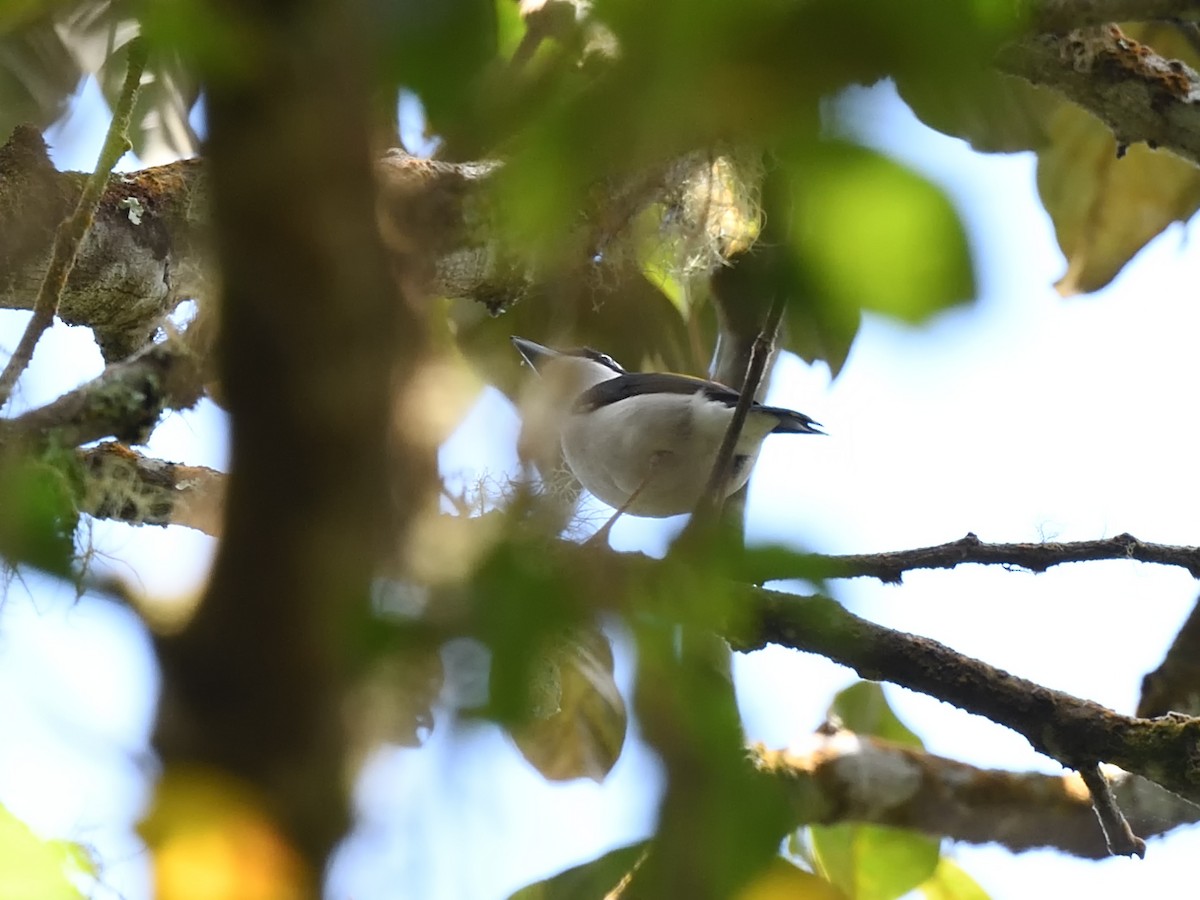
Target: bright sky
{"type": "Point", "coordinates": [1020, 417]}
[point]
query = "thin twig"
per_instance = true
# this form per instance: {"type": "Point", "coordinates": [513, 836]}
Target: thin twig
{"type": "Point", "coordinates": [714, 493]}
{"type": "Point", "coordinates": [1117, 834]}
{"type": "Point", "coordinates": [71, 232]}
{"type": "Point", "coordinates": [890, 567]}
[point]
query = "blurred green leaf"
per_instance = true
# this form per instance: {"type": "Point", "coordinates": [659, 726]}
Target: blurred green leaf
{"type": "Point", "coordinates": [44, 58]}
{"type": "Point", "coordinates": [524, 602]}
{"type": "Point", "coordinates": [772, 562]}
{"type": "Point", "coordinates": [721, 822]}
{"type": "Point", "coordinates": [871, 862]}
{"type": "Point", "coordinates": [874, 235]}
{"type": "Point", "coordinates": [783, 880]}
{"type": "Point", "coordinates": [863, 708]}
{"type": "Point", "coordinates": [37, 516]}
{"type": "Point", "coordinates": [38, 75]}
{"type": "Point", "coordinates": [591, 881]}
{"type": "Point", "coordinates": [632, 321]}
{"type": "Point", "coordinates": [950, 882]}
{"type": "Point", "coordinates": [168, 91]}
{"type": "Point", "coordinates": [31, 867]}
{"type": "Point", "coordinates": [690, 74]}
{"type": "Point", "coordinates": [190, 35]}
{"type": "Point", "coordinates": [440, 50]}
{"type": "Point", "coordinates": [814, 328]}
{"type": "Point", "coordinates": [578, 723]}
{"type": "Point", "coordinates": [996, 113]}
{"type": "Point", "coordinates": [509, 27]}
{"type": "Point", "coordinates": [395, 665]}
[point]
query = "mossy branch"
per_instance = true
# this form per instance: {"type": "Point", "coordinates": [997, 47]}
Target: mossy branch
{"type": "Point", "coordinates": [70, 233]}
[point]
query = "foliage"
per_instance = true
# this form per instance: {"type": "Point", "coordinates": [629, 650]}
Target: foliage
{"type": "Point", "coordinates": [665, 173]}
{"type": "Point", "coordinates": [33, 867]}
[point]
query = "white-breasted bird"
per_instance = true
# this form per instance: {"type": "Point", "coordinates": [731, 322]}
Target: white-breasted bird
{"type": "Point", "coordinates": [645, 442]}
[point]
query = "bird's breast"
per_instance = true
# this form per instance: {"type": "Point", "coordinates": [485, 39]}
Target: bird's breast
{"type": "Point", "coordinates": [662, 447]}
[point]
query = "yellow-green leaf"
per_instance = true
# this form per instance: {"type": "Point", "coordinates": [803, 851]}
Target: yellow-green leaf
{"type": "Point", "coordinates": [871, 862]}
{"type": "Point", "coordinates": [950, 882]}
{"type": "Point", "coordinates": [1106, 209]}
{"type": "Point", "coordinates": [212, 835]}
{"type": "Point", "coordinates": [37, 515]}
{"type": "Point", "coordinates": [784, 881]}
{"type": "Point", "coordinates": [864, 709]}
{"type": "Point", "coordinates": [33, 867]}
{"type": "Point", "coordinates": [874, 235]}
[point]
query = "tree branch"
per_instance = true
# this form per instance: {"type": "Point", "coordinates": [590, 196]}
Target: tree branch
{"type": "Point", "coordinates": [1118, 836]}
{"type": "Point", "coordinates": [847, 777]}
{"type": "Point", "coordinates": [143, 254]}
{"type": "Point", "coordinates": [316, 343]}
{"type": "Point", "coordinates": [842, 777]}
{"type": "Point", "coordinates": [890, 567]}
{"type": "Point", "coordinates": [1138, 94]}
{"type": "Point", "coordinates": [1063, 15]}
{"type": "Point", "coordinates": [1175, 685]}
{"type": "Point", "coordinates": [1165, 750]}
{"type": "Point", "coordinates": [125, 401]}
{"type": "Point", "coordinates": [124, 485]}
{"type": "Point", "coordinates": [71, 232]}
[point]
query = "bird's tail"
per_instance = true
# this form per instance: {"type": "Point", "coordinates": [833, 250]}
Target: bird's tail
{"type": "Point", "coordinates": [792, 422]}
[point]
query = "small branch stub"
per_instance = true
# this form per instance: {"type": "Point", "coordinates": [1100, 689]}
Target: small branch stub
{"type": "Point", "coordinates": [1117, 834]}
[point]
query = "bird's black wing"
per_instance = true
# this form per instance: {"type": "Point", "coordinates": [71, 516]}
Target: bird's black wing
{"type": "Point", "coordinates": [637, 384]}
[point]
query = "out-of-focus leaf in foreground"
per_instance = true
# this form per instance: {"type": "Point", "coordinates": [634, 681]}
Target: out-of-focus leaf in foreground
{"type": "Point", "coordinates": [577, 726]}
{"type": "Point", "coordinates": [784, 881]}
{"type": "Point", "coordinates": [950, 882]}
{"type": "Point", "coordinates": [523, 603]}
{"type": "Point", "coordinates": [211, 837]}
{"type": "Point", "coordinates": [37, 515]}
{"type": "Point", "coordinates": [38, 73]}
{"type": "Point", "coordinates": [36, 868]}
{"type": "Point", "coordinates": [720, 822]}
{"type": "Point", "coordinates": [873, 234]}
{"type": "Point", "coordinates": [871, 862]}
{"type": "Point", "coordinates": [1104, 208]}
{"type": "Point", "coordinates": [593, 880]}
{"type": "Point", "coordinates": [863, 708]}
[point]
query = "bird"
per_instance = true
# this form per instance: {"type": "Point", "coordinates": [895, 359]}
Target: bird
{"type": "Point", "coordinates": [645, 442]}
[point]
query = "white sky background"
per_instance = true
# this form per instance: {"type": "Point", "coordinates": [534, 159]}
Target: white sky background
{"type": "Point", "coordinates": [1020, 417]}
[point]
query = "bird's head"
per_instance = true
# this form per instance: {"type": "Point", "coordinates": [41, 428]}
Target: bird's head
{"type": "Point", "coordinates": [568, 372]}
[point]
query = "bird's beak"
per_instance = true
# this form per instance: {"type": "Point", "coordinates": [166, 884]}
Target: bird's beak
{"type": "Point", "coordinates": [534, 354]}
